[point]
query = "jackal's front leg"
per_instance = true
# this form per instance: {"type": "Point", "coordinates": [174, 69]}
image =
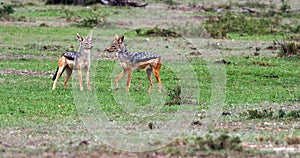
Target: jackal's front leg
{"type": "Point", "coordinates": [118, 78]}
{"type": "Point", "coordinates": [80, 79]}
{"type": "Point", "coordinates": [129, 72]}
{"type": "Point", "coordinates": [87, 75]}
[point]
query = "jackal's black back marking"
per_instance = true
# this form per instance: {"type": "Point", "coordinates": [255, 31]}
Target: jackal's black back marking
{"type": "Point", "coordinates": [136, 57]}
{"type": "Point", "coordinates": [70, 55]}
{"type": "Point", "coordinates": [143, 56]}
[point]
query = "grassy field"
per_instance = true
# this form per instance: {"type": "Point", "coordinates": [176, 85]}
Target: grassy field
{"type": "Point", "coordinates": [226, 90]}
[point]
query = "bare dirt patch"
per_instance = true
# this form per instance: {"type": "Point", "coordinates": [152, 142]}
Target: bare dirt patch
{"type": "Point", "coordinates": [10, 56]}
{"type": "Point", "coordinates": [10, 71]}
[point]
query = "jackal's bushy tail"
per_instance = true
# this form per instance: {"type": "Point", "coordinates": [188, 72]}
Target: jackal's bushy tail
{"type": "Point", "coordinates": [55, 74]}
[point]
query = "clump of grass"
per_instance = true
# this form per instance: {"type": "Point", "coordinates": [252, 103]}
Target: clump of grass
{"type": "Point", "coordinates": [285, 6]}
{"type": "Point", "coordinates": [288, 49]}
{"type": "Point", "coordinates": [270, 114]}
{"type": "Point", "coordinates": [154, 32]}
{"type": "Point", "coordinates": [294, 140]}
{"type": "Point", "coordinates": [222, 142]}
{"type": "Point", "coordinates": [90, 21]}
{"type": "Point", "coordinates": [208, 142]}
{"type": "Point", "coordinates": [174, 96]}
{"type": "Point", "coordinates": [268, 139]}
{"type": "Point", "coordinates": [256, 114]}
{"type": "Point", "coordinates": [219, 26]}
{"type": "Point", "coordinates": [5, 12]}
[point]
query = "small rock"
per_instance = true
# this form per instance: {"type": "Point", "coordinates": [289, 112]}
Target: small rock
{"type": "Point", "coordinates": [226, 113]}
{"type": "Point", "coordinates": [84, 142]}
{"type": "Point", "coordinates": [222, 62]}
{"type": "Point", "coordinates": [197, 123]}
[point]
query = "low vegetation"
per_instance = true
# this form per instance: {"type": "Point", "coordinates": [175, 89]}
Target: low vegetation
{"type": "Point", "coordinates": [273, 114]}
{"type": "Point", "coordinates": [289, 49]}
{"type": "Point", "coordinates": [6, 11]}
{"type": "Point", "coordinates": [190, 146]}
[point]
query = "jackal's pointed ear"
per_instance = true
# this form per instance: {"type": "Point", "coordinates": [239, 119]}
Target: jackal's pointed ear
{"type": "Point", "coordinates": [89, 37]}
{"type": "Point", "coordinates": [116, 38]}
{"type": "Point", "coordinates": [121, 39]}
{"type": "Point", "coordinates": [79, 37]}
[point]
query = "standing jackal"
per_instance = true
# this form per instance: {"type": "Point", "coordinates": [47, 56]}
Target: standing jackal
{"type": "Point", "coordinates": [135, 61]}
{"type": "Point", "coordinates": [75, 60]}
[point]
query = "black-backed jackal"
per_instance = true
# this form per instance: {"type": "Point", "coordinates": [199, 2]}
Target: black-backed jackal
{"type": "Point", "coordinates": [135, 61]}
{"type": "Point", "coordinates": [75, 60]}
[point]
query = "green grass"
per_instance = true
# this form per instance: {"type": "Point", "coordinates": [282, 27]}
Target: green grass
{"type": "Point", "coordinates": [276, 82]}
{"type": "Point", "coordinates": [30, 98]}
{"type": "Point", "coordinates": [247, 82]}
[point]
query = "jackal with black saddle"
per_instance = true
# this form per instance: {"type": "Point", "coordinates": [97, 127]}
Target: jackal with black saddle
{"type": "Point", "coordinates": [135, 61]}
{"type": "Point", "coordinates": [75, 60]}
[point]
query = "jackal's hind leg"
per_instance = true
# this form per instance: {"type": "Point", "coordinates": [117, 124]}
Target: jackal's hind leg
{"type": "Point", "coordinates": [59, 72]}
{"type": "Point", "coordinates": [149, 72]}
{"type": "Point", "coordinates": [69, 73]}
{"type": "Point", "coordinates": [157, 76]}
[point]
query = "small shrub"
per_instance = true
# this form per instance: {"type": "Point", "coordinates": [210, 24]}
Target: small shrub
{"type": "Point", "coordinates": [174, 96]}
{"type": "Point", "coordinates": [90, 22]}
{"type": "Point", "coordinates": [293, 114]}
{"type": "Point", "coordinates": [5, 12]}
{"type": "Point", "coordinates": [281, 113]}
{"type": "Point", "coordinates": [207, 143]}
{"type": "Point", "coordinates": [284, 7]}
{"type": "Point", "coordinates": [293, 140]}
{"type": "Point", "coordinates": [255, 114]}
{"type": "Point", "coordinates": [288, 49]}
{"type": "Point", "coordinates": [222, 142]}
{"type": "Point", "coordinates": [270, 114]}
{"type": "Point", "coordinates": [156, 32]}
